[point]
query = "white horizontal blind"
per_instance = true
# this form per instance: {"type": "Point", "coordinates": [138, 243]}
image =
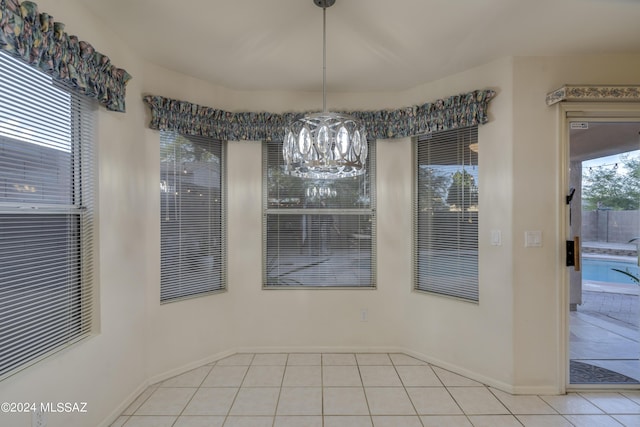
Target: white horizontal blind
{"type": "Point", "coordinates": [192, 200]}
{"type": "Point", "coordinates": [46, 216]}
{"type": "Point", "coordinates": [446, 213]}
{"type": "Point", "coordinates": [317, 233]}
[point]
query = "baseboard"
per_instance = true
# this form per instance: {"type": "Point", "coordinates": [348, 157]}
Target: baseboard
{"type": "Point", "coordinates": [189, 366]}
{"type": "Point", "coordinates": [542, 390]}
{"type": "Point", "coordinates": [491, 382]}
{"type": "Point", "coordinates": [456, 369]}
{"type": "Point", "coordinates": [158, 378]}
{"type": "Point", "coordinates": [124, 405]}
{"type": "Point", "coordinates": [381, 349]}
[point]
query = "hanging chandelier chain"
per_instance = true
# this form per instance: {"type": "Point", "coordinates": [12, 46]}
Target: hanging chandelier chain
{"type": "Point", "coordinates": [324, 4]}
{"type": "Point", "coordinates": [324, 59]}
{"type": "Point", "coordinates": [325, 145]}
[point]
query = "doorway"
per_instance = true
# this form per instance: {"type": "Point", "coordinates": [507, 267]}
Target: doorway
{"type": "Point", "coordinates": [604, 213]}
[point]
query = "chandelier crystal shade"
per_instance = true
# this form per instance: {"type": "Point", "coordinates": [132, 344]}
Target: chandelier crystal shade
{"type": "Point", "coordinates": [325, 145]}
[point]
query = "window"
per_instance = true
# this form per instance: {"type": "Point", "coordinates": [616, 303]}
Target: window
{"type": "Point", "coordinates": [46, 216]}
{"type": "Point", "coordinates": [446, 213]}
{"type": "Point", "coordinates": [317, 233]}
{"type": "Point", "coordinates": [192, 231]}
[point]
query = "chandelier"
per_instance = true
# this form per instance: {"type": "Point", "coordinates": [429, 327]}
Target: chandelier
{"type": "Point", "coordinates": [325, 145]}
{"type": "Point", "coordinates": [320, 191]}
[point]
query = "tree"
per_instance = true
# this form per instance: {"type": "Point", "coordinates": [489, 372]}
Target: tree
{"type": "Point", "coordinates": [463, 191]}
{"type": "Point", "coordinates": [616, 188]}
{"type": "Point", "coordinates": [433, 188]}
{"type": "Point", "coordinates": [185, 149]}
{"type": "Point", "coordinates": [632, 180]}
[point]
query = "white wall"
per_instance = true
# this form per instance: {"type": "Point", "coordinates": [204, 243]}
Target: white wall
{"type": "Point", "coordinates": [538, 199]}
{"type": "Point", "coordinates": [109, 368]}
{"type": "Point", "coordinates": [440, 329]}
{"type": "Point", "coordinates": [476, 339]}
{"type": "Point", "coordinates": [509, 340]}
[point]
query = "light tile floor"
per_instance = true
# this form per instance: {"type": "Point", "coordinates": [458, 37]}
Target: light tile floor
{"type": "Point", "coordinates": [358, 390]}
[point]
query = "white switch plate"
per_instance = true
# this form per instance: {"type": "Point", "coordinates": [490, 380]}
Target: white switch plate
{"type": "Point", "coordinates": [496, 238]}
{"type": "Point", "coordinates": [533, 239]}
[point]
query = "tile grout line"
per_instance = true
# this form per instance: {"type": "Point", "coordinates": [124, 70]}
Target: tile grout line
{"type": "Point", "coordinates": [284, 372]}
{"type": "Point", "coordinates": [451, 396]}
{"type": "Point", "coordinates": [581, 394]}
{"type": "Point", "coordinates": [536, 395]}
{"type": "Point", "coordinates": [504, 405]}
{"type": "Point", "coordinates": [193, 395]}
{"type": "Point", "coordinates": [616, 396]}
{"type": "Point", "coordinates": [322, 389]}
{"type": "Point", "coordinates": [364, 391]}
{"type": "Point", "coordinates": [404, 387]}
{"type": "Point", "coordinates": [226, 417]}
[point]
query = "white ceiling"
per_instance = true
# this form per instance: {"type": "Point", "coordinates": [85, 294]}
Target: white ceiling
{"type": "Point", "coordinates": [600, 139]}
{"type": "Point", "coordinates": [386, 45]}
{"type": "Point", "coordinates": [373, 45]}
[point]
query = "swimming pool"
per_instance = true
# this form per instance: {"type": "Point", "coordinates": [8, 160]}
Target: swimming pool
{"type": "Point", "coordinates": [600, 270]}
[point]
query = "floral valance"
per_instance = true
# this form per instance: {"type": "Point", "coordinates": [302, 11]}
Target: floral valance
{"type": "Point", "coordinates": [35, 38]}
{"type": "Point", "coordinates": [594, 93]}
{"type": "Point", "coordinates": [458, 111]}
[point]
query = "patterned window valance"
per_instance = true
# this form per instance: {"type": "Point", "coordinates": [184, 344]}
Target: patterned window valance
{"type": "Point", "coordinates": [190, 119]}
{"type": "Point", "coordinates": [35, 38]}
{"type": "Point", "coordinates": [594, 93]}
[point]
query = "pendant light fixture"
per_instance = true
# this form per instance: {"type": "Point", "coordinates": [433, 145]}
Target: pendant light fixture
{"type": "Point", "coordinates": [325, 145]}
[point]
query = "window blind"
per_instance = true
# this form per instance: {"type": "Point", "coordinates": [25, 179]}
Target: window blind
{"type": "Point", "coordinates": [192, 195]}
{"type": "Point", "coordinates": [446, 213]}
{"type": "Point", "coordinates": [46, 216]}
{"type": "Point", "coordinates": [317, 233]}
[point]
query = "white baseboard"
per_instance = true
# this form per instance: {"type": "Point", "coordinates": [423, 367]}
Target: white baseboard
{"type": "Point", "coordinates": [158, 378]}
{"type": "Point", "coordinates": [124, 405]}
{"type": "Point", "coordinates": [382, 349]}
{"type": "Point", "coordinates": [189, 366]}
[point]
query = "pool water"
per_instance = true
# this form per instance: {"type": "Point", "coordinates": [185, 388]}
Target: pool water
{"type": "Point", "coordinates": [600, 270]}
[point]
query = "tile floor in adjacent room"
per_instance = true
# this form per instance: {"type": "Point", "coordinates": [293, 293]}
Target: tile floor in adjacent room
{"type": "Point", "coordinates": [357, 390]}
{"type": "Point", "coordinates": [604, 329]}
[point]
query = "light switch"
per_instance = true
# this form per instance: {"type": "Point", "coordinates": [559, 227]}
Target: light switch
{"type": "Point", "coordinates": [496, 238]}
{"type": "Point", "coordinates": [533, 239]}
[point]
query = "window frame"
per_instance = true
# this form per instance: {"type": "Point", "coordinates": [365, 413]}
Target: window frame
{"type": "Point", "coordinates": [370, 212]}
{"type": "Point", "coordinates": [78, 278]}
{"type": "Point", "coordinates": [472, 138]}
{"type": "Point", "coordinates": [219, 266]}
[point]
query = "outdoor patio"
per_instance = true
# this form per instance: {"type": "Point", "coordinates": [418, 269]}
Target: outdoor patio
{"type": "Point", "coordinates": [605, 334]}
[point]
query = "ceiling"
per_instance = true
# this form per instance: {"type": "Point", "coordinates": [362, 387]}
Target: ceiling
{"type": "Point", "coordinates": [601, 139]}
{"type": "Point", "coordinates": [372, 45]}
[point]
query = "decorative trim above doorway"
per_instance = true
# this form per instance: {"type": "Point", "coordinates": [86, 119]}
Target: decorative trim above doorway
{"type": "Point", "coordinates": [594, 93]}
